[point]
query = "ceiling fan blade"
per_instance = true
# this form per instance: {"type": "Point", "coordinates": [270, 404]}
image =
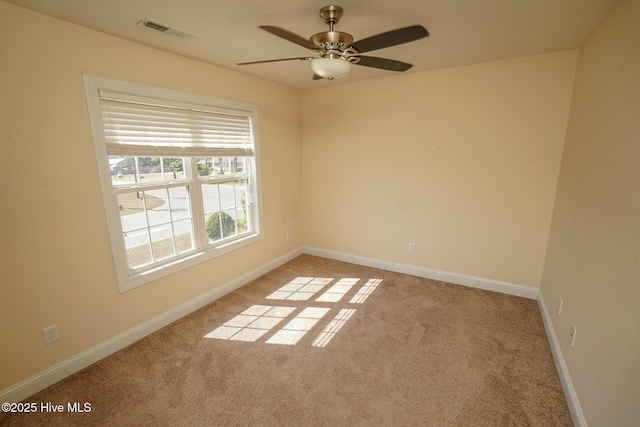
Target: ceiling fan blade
{"type": "Point", "coordinates": [304, 58]}
{"type": "Point", "coordinates": [391, 38]}
{"type": "Point", "coordinates": [317, 77]}
{"type": "Point", "coordinates": [288, 35]}
{"type": "Point", "coordinates": [383, 63]}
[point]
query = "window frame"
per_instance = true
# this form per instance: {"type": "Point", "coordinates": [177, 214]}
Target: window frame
{"type": "Point", "coordinates": [127, 278]}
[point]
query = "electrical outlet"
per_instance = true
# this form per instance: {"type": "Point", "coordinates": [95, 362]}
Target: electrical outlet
{"type": "Point", "coordinates": [572, 335]}
{"type": "Point", "coordinates": [288, 236]}
{"type": "Point", "coordinates": [560, 302]}
{"type": "Point", "coordinates": [412, 247]}
{"type": "Point", "coordinates": [51, 334]}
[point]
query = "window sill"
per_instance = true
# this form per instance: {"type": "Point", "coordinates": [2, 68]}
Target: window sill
{"type": "Point", "coordinates": [136, 279]}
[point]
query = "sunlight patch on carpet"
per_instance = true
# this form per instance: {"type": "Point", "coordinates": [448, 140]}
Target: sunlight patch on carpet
{"type": "Point", "coordinates": [363, 293]}
{"type": "Point", "coordinates": [298, 327]}
{"type": "Point", "coordinates": [300, 288]}
{"type": "Point", "coordinates": [258, 320]}
{"type": "Point", "coordinates": [252, 323]}
{"type": "Point", "coordinates": [337, 291]}
{"type": "Point", "coordinates": [333, 327]}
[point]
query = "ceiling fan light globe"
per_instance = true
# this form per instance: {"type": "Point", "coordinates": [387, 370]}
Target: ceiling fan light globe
{"type": "Point", "coordinates": [330, 68]}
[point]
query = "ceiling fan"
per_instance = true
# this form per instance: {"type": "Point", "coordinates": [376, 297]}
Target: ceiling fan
{"type": "Point", "coordinates": [335, 51]}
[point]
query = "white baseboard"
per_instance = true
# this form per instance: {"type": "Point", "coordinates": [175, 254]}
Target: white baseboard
{"type": "Point", "coordinates": [80, 361]}
{"type": "Point", "coordinates": [567, 386]}
{"type": "Point", "coordinates": [458, 279]}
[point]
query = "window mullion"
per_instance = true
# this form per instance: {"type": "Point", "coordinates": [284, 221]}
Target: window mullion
{"type": "Point", "coordinates": [171, 225]}
{"type": "Point", "coordinates": [197, 205]}
{"type": "Point", "coordinates": [137, 187]}
{"type": "Point", "coordinates": [235, 202]}
{"type": "Point", "coordinates": [222, 236]}
{"type": "Point", "coordinates": [148, 228]}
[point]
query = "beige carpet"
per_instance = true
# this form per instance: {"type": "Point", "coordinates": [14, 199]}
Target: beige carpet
{"type": "Point", "coordinates": [292, 349]}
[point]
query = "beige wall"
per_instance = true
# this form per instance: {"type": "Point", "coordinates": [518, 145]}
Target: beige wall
{"type": "Point", "coordinates": [462, 161]}
{"type": "Point", "coordinates": [593, 257]}
{"type": "Point", "coordinates": [56, 261]}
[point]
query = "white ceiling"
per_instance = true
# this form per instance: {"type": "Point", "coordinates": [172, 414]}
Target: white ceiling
{"type": "Point", "coordinates": [226, 32]}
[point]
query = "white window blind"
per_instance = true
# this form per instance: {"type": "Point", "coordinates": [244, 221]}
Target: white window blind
{"type": "Point", "coordinates": [139, 126]}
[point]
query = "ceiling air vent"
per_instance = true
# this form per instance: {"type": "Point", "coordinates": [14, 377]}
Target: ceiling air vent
{"type": "Point", "coordinates": [164, 28]}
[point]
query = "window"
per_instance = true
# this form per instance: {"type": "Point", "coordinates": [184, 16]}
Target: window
{"type": "Point", "coordinates": [178, 173]}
